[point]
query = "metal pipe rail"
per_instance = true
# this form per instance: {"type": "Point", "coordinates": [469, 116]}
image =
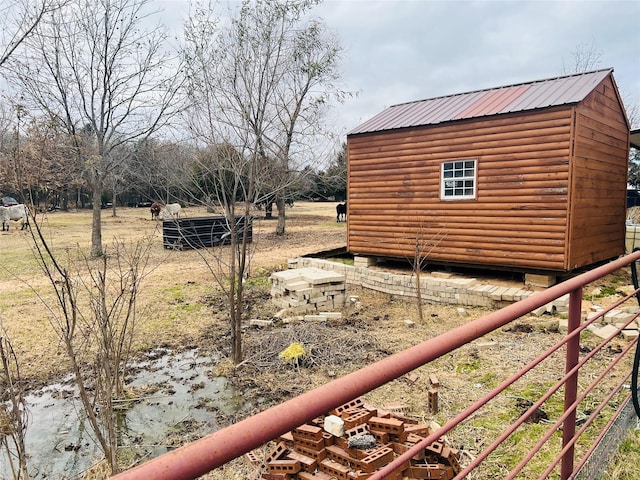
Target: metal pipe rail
{"type": "Point", "coordinates": [201, 456]}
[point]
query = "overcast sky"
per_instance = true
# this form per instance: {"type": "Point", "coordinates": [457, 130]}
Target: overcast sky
{"type": "Point", "coordinates": [398, 51]}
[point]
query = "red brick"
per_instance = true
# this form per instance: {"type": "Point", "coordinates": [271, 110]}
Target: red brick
{"type": "Point", "coordinates": [308, 464]}
{"type": "Point", "coordinates": [399, 437]}
{"type": "Point", "coordinates": [435, 447]}
{"type": "Point", "coordinates": [358, 430]}
{"type": "Point", "coordinates": [376, 459]}
{"type": "Point", "coordinates": [431, 472]}
{"type": "Point", "coordinates": [312, 444]}
{"type": "Point", "coordinates": [394, 408]}
{"type": "Point", "coordinates": [315, 476]}
{"type": "Point", "coordinates": [452, 457]}
{"type": "Point", "coordinates": [334, 468]}
{"type": "Point", "coordinates": [342, 442]}
{"type": "Point", "coordinates": [328, 438]}
{"type": "Point", "coordinates": [307, 432]}
{"type": "Point", "coordinates": [315, 454]}
{"type": "Point", "coordinates": [413, 438]}
{"type": "Point", "coordinates": [422, 430]}
{"type": "Point", "coordinates": [278, 453]}
{"type": "Point", "coordinates": [284, 466]}
{"type": "Point", "coordinates": [287, 439]}
{"type": "Point", "coordinates": [340, 455]}
{"type": "Point", "coordinates": [382, 437]}
{"type": "Point", "coordinates": [359, 475]}
{"type": "Point", "coordinates": [405, 419]}
{"type": "Point", "coordinates": [253, 459]}
{"type": "Point", "coordinates": [432, 400]}
{"type": "Point", "coordinates": [390, 425]}
{"type": "Point", "coordinates": [433, 380]}
{"type": "Point", "coordinates": [347, 406]}
{"type": "Point", "coordinates": [356, 418]}
{"type": "Point", "coordinates": [400, 448]}
{"type": "Point", "coordinates": [395, 475]}
{"type": "Point", "coordinates": [276, 476]}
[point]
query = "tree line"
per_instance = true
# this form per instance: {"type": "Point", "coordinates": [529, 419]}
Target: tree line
{"type": "Point", "coordinates": [50, 178]}
{"type": "Point", "coordinates": [99, 93]}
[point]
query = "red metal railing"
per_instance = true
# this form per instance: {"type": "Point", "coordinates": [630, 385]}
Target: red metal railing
{"type": "Point", "coordinates": [218, 448]}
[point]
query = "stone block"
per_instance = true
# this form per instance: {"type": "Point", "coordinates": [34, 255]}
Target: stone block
{"type": "Point", "coordinates": [255, 322]}
{"type": "Point", "coordinates": [334, 425]}
{"type": "Point", "coordinates": [539, 280]}
{"type": "Point", "coordinates": [562, 301]}
{"type": "Point", "coordinates": [605, 331]}
{"type": "Point", "coordinates": [539, 311]}
{"type": "Point", "coordinates": [497, 292]}
{"type": "Point", "coordinates": [361, 261]}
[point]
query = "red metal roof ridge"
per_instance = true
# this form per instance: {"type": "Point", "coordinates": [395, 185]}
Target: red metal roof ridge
{"type": "Point", "coordinates": [526, 96]}
{"type": "Point", "coordinates": [504, 87]}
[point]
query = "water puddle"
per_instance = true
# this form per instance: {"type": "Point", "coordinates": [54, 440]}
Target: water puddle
{"type": "Point", "coordinates": [181, 406]}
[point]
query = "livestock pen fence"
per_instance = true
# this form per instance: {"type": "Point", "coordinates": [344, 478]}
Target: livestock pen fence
{"type": "Point", "coordinates": [610, 391]}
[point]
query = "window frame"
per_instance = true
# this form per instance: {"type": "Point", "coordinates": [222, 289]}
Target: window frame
{"type": "Point", "coordinates": [461, 178]}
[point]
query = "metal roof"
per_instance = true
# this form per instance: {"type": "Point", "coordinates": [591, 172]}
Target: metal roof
{"type": "Point", "coordinates": [534, 95]}
{"type": "Point", "coordinates": [635, 138]}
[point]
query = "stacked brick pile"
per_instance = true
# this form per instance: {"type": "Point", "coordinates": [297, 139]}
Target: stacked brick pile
{"type": "Point", "coordinates": [308, 290]}
{"type": "Point", "coordinates": [310, 452]}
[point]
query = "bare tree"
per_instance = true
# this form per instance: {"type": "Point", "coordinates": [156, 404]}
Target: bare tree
{"type": "Point", "coordinates": [584, 58]}
{"type": "Point", "coordinates": [93, 66]}
{"type": "Point", "coordinates": [222, 177]}
{"type": "Point", "coordinates": [20, 18]}
{"type": "Point", "coordinates": [302, 97]}
{"type": "Point", "coordinates": [425, 242]}
{"type": "Point", "coordinates": [258, 87]}
{"type": "Point", "coordinates": [95, 319]}
{"type": "Point", "coordinates": [13, 412]}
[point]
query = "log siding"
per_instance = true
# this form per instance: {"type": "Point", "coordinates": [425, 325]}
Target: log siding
{"type": "Point", "coordinates": [550, 188]}
{"type": "Point", "coordinates": [600, 165]}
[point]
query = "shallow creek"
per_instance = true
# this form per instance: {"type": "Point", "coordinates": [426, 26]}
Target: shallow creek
{"type": "Point", "coordinates": [182, 403]}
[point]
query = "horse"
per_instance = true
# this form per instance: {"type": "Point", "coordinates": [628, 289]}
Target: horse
{"type": "Point", "coordinates": [155, 210]}
{"type": "Point", "coordinates": [341, 212]}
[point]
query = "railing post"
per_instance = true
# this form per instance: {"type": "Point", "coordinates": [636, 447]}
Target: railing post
{"type": "Point", "coordinates": [571, 387]}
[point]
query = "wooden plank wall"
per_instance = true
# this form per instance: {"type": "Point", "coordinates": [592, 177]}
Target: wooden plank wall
{"type": "Point", "coordinates": [519, 218]}
{"type": "Point", "coordinates": [599, 180]}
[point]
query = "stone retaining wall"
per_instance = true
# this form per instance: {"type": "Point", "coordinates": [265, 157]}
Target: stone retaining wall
{"type": "Point", "coordinates": [435, 289]}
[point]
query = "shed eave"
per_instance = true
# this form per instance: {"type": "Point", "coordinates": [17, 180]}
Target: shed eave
{"type": "Point", "coordinates": [354, 132]}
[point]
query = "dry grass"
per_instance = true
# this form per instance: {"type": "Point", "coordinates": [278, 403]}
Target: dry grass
{"type": "Point", "coordinates": [173, 299]}
{"type": "Point", "coordinates": [182, 307]}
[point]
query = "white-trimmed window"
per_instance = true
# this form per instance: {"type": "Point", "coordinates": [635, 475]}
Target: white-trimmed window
{"type": "Point", "coordinates": [458, 180]}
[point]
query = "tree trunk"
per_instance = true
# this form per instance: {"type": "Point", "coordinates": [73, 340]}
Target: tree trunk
{"type": "Point", "coordinates": [113, 204]}
{"type": "Point", "coordinates": [96, 225]}
{"type": "Point", "coordinates": [280, 203]}
{"type": "Point", "coordinates": [268, 209]}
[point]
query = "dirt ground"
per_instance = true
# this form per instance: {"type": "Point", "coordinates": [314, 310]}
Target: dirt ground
{"type": "Point", "coordinates": [181, 306]}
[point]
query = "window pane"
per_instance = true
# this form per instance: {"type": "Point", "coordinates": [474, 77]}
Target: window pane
{"type": "Point", "coordinates": [458, 179]}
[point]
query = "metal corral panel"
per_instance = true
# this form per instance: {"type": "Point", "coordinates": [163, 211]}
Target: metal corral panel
{"type": "Point", "coordinates": [552, 92]}
{"type": "Point", "coordinates": [198, 232]}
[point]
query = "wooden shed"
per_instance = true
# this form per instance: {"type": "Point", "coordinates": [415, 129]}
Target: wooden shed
{"type": "Point", "coordinates": [529, 177]}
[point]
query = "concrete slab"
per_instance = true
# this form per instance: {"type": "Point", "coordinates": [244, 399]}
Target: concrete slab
{"type": "Point", "coordinates": [606, 331]}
